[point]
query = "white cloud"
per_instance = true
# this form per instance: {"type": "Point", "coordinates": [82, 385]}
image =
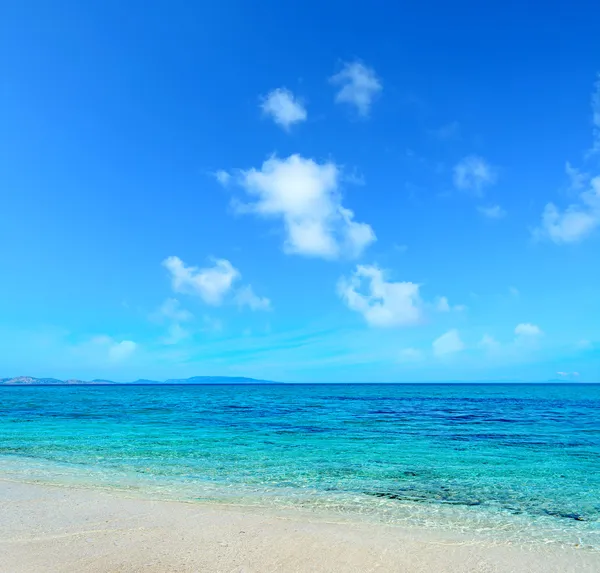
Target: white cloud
{"type": "Point", "coordinates": [410, 355]}
{"type": "Point", "coordinates": [211, 284]}
{"type": "Point", "coordinates": [442, 305]}
{"type": "Point", "coordinates": [121, 350]}
{"type": "Point", "coordinates": [284, 108]}
{"type": "Point", "coordinates": [385, 304]}
{"type": "Point", "coordinates": [576, 222]}
{"type": "Point", "coordinates": [306, 196]}
{"type": "Point", "coordinates": [473, 173]}
{"type": "Point", "coordinates": [492, 212]}
{"type": "Point", "coordinates": [489, 343]}
{"type": "Point", "coordinates": [448, 343]}
{"type": "Point", "coordinates": [171, 310]}
{"type": "Point", "coordinates": [568, 374]}
{"type": "Point", "coordinates": [246, 296]}
{"type": "Point", "coordinates": [526, 329]}
{"type": "Point", "coordinates": [577, 179]}
{"type": "Point", "coordinates": [112, 350]}
{"type": "Point", "coordinates": [359, 85]}
{"type": "Point", "coordinates": [582, 217]}
{"type": "Point", "coordinates": [222, 177]}
{"type": "Point", "coordinates": [176, 333]}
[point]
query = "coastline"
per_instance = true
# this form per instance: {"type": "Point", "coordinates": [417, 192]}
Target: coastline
{"type": "Point", "coordinates": [57, 529]}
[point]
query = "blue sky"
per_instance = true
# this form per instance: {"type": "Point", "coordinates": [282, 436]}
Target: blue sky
{"type": "Point", "coordinates": [315, 191]}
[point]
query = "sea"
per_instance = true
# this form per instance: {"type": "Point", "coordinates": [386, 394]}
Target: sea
{"type": "Point", "coordinates": [515, 463]}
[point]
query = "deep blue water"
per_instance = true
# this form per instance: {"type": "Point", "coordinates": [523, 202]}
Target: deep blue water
{"type": "Point", "coordinates": [517, 460]}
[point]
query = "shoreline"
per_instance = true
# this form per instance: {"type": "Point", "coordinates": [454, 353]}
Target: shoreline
{"type": "Point", "coordinates": [60, 528]}
{"type": "Point", "coordinates": [479, 524]}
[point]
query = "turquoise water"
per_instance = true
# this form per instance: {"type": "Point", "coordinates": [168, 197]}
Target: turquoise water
{"type": "Point", "coordinates": [517, 462]}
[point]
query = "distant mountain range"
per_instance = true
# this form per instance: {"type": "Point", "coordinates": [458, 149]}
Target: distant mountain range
{"type": "Point", "coordinates": [31, 381]}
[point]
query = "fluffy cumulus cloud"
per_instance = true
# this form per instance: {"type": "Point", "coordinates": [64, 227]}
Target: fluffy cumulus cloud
{"type": "Point", "coordinates": [574, 223]}
{"type": "Point", "coordinates": [448, 343]}
{"type": "Point", "coordinates": [284, 108]}
{"type": "Point", "coordinates": [473, 174]}
{"type": "Point", "coordinates": [382, 303]}
{"type": "Point", "coordinates": [305, 196]}
{"type": "Point", "coordinates": [358, 86]}
{"type": "Point", "coordinates": [212, 284]}
{"type": "Point", "coordinates": [492, 212]}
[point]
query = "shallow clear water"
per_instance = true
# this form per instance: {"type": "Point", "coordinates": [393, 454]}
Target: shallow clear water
{"type": "Point", "coordinates": [517, 462]}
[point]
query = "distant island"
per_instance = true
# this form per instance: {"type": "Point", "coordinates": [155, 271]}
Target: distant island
{"type": "Point", "coordinates": [31, 381]}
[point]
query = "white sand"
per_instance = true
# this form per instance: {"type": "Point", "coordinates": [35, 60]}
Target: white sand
{"type": "Point", "coordinates": [45, 529]}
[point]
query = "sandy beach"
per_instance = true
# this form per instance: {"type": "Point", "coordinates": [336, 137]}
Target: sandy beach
{"type": "Point", "coordinates": [47, 529]}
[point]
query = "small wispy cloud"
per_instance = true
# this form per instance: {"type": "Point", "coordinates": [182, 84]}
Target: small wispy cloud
{"type": "Point", "coordinates": [474, 174]}
{"type": "Point", "coordinates": [489, 343]}
{"type": "Point", "coordinates": [171, 313]}
{"type": "Point", "coordinates": [246, 296]}
{"type": "Point", "coordinates": [446, 132]}
{"type": "Point", "coordinates": [212, 284]}
{"type": "Point", "coordinates": [103, 348]}
{"type": "Point", "coordinates": [410, 355]}
{"type": "Point", "coordinates": [442, 304]}
{"type": "Point", "coordinates": [577, 178]}
{"type": "Point", "coordinates": [568, 374]}
{"type": "Point", "coordinates": [596, 118]}
{"type": "Point", "coordinates": [359, 85]}
{"type": "Point", "coordinates": [527, 330]}
{"type": "Point", "coordinates": [448, 343]}
{"type": "Point", "coordinates": [492, 212]}
{"type": "Point", "coordinates": [576, 222]}
{"type": "Point", "coordinates": [579, 219]}
{"type": "Point", "coordinates": [222, 177]}
{"type": "Point", "coordinates": [284, 108]}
